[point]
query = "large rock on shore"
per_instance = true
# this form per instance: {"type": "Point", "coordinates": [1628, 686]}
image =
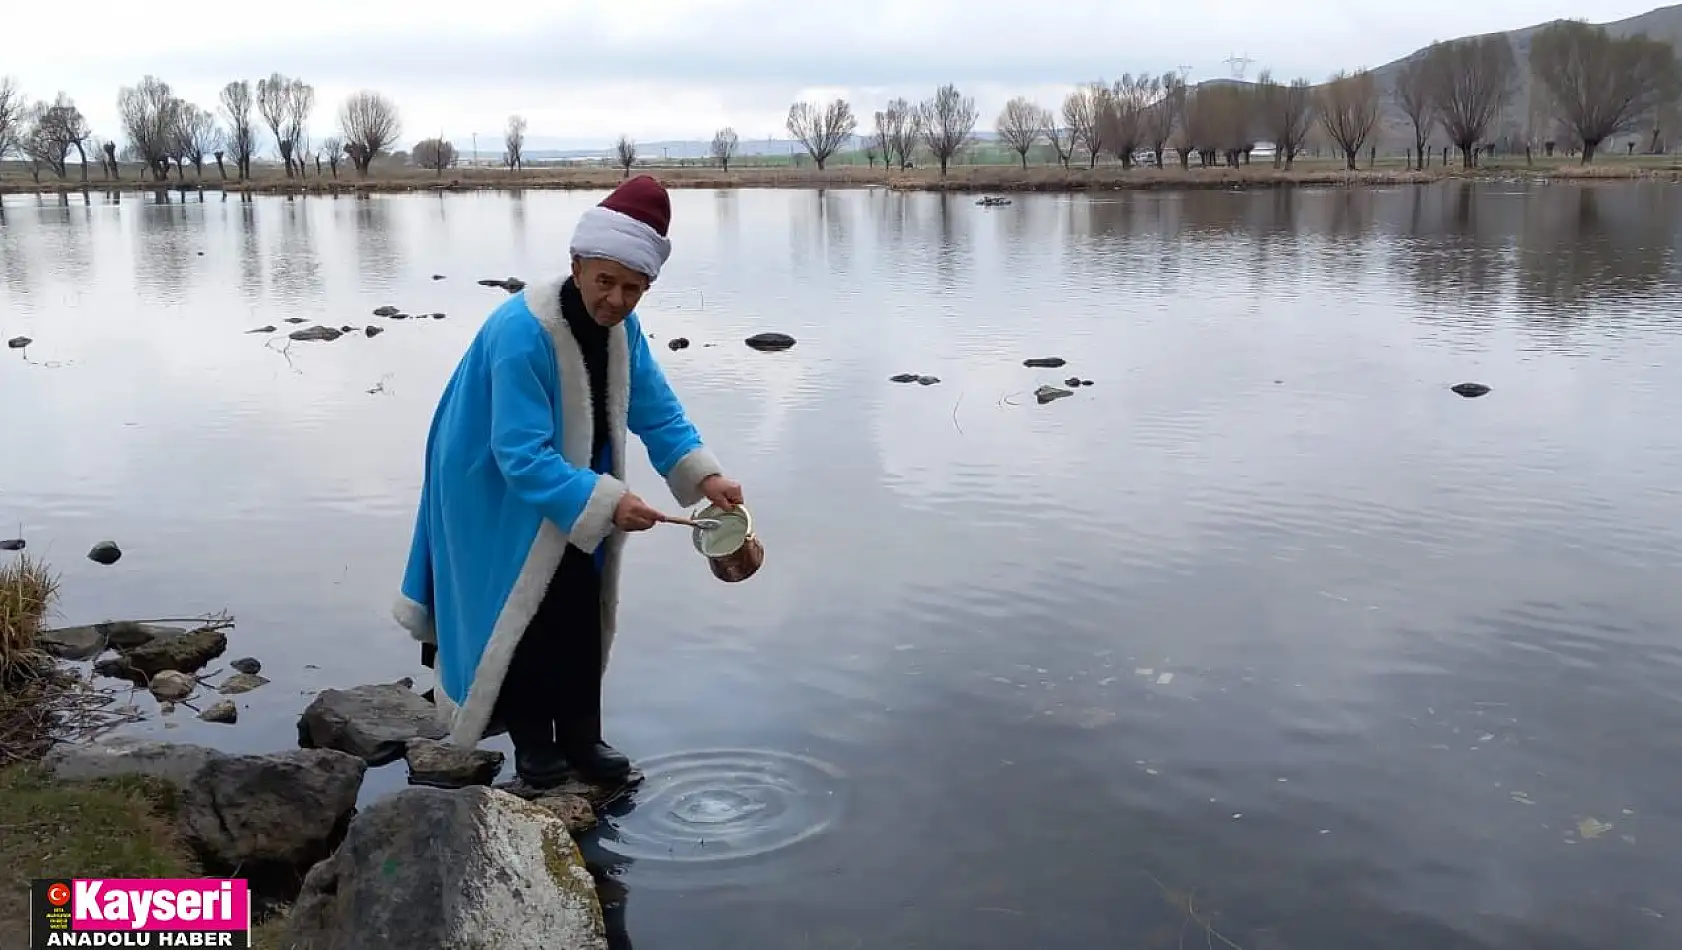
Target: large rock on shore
{"type": "Point", "coordinates": [374, 723]}
{"type": "Point", "coordinates": [471, 869]}
{"type": "Point", "coordinates": [269, 816]}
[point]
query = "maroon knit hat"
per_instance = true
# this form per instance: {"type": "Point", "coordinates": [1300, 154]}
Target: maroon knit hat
{"type": "Point", "coordinates": [644, 199]}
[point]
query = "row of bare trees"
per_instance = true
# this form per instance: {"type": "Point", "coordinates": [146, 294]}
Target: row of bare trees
{"type": "Point", "coordinates": [162, 129]}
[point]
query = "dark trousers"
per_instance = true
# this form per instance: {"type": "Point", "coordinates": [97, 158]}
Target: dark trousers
{"type": "Point", "coordinates": [553, 689]}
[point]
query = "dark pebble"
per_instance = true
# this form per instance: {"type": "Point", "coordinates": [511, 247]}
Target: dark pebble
{"type": "Point", "coordinates": [677, 343]}
{"type": "Point", "coordinates": [248, 665]}
{"type": "Point", "coordinates": [770, 342]}
{"type": "Point", "coordinates": [437, 276]}
{"type": "Point", "coordinates": [267, 329]}
{"type": "Point", "coordinates": [373, 331]}
{"type": "Point", "coordinates": [1072, 381]}
{"type": "Point", "coordinates": [1470, 390]}
{"type": "Point", "coordinates": [296, 320]}
{"type": "Point", "coordinates": [105, 552]}
{"type": "Point", "coordinates": [904, 378]}
{"type": "Point", "coordinates": [12, 544]}
{"type": "Point", "coordinates": [18, 342]}
{"type": "Point", "coordinates": [1045, 362]}
{"type": "Point", "coordinates": [928, 380]}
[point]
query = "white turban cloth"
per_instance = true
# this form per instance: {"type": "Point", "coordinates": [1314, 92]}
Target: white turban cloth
{"type": "Point", "coordinates": [605, 233]}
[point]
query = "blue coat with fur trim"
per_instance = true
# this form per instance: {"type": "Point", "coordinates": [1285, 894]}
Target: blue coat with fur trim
{"type": "Point", "coordinates": [508, 484]}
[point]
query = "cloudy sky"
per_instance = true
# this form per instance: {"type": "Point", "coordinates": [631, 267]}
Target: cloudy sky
{"type": "Point", "coordinates": [678, 69]}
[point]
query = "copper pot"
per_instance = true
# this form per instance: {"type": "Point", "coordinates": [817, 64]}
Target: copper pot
{"type": "Point", "coordinates": [732, 550]}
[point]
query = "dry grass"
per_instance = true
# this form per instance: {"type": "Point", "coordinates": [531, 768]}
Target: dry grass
{"type": "Point", "coordinates": [27, 592]}
{"type": "Point", "coordinates": [961, 178]}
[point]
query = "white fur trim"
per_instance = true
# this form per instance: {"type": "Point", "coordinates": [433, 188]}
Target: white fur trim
{"type": "Point", "coordinates": [685, 478]}
{"type": "Point", "coordinates": [415, 618]}
{"type": "Point", "coordinates": [603, 232]}
{"type": "Point", "coordinates": [595, 522]}
{"type": "Point", "coordinates": [469, 721]}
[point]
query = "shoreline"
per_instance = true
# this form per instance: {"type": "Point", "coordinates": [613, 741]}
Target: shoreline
{"type": "Point", "coordinates": [962, 179]}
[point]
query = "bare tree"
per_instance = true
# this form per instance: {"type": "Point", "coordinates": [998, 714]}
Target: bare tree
{"type": "Point", "coordinates": [1121, 114]}
{"type": "Point", "coordinates": [514, 144]}
{"type": "Point", "coordinates": [1413, 97]}
{"type": "Point", "coordinates": [1161, 116]}
{"type": "Point", "coordinates": [147, 113]}
{"type": "Point", "coordinates": [110, 149]}
{"type": "Point", "coordinates": [1471, 82]}
{"type": "Point", "coordinates": [1598, 85]}
{"type": "Point", "coordinates": [1348, 109]}
{"type": "Point", "coordinates": [898, 128]}
{"type": "Point", "coordinates": [51, 130]}
{"type": "Point", "coordinates": [1286, 114]}
{"type": "Point", "coordinates": [331, 149]}
{"type": "Point", "coordinates": [297, 103]}
{"type": "Point", "coordinates": [436, 154]}
{"type": "Point", "coordinates": [947, 120]}
{"type": "Point", "coordinates": [724, 146]}
{"type": "Point", "coordinates": [199, 135]}
{"type": "Point", "coordinates": [271, 104]}
{"type": "Point", "coordinates": [1221, 123]}
{"type": "Point", "coordinates": [1061, 138]}
{"type": "Point", "coordinates": [1081, 111]}
{"type": "Point", "coordinates": [625, 150]}
{"type": "Point", "coordinates": [1020, 125]}
{"type": "Point", "coordinates": [370, 123]}
{"type": "Point", "coordinates": [821, 130]}
{"type": "Point", "coordinates": [11, 116]}
{"type": "Point", "coordinates": [38, 144]}
{"type": "Point", "coordinates": [241, 137]}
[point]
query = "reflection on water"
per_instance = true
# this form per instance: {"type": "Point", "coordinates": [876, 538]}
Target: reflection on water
{"type": "Point", "coordinates": [1265, 640]}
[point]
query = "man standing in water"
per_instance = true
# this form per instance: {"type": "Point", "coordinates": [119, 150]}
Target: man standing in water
{"type": "Point", "coordinates": [513, 574]}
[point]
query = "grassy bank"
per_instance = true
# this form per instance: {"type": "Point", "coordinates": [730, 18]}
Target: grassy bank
{"type": "Point", "coordinates": [960, 178]}
{"type": "Point", "coordinates": [116, 828]}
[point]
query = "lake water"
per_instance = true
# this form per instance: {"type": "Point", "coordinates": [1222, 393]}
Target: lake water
{"type": "Point", "coordinates": [1265, 640]}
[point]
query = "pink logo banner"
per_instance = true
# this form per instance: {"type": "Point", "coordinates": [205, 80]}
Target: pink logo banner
{"type": "Point", "coordinates": [147, 904]}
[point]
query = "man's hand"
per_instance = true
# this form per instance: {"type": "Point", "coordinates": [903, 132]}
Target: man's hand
{"type": "Point", "coordinates": [721, 491]}
{"type": "Point", "coordinates": [634, 514]}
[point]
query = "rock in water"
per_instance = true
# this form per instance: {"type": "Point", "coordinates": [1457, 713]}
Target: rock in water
{"type": "Point", "coordinates": [187, 653]}
{"type": "Point", "coordinates": [903, 378]}
{"type": "Point", "coordinates": [18, 342]}
{"type": "Point", "coordinates": [1046, 394]}
{"type": "Point", "coordinates": [316, 335]}
{"type": "Point", "coordinates": [385, 311]}
{"type": "Point", "coordinates": [373, 331]}
{"type": "Point", "coordinates": [13, 544]}
{"type": "Point", "coordinates": [441, 765]}
{"type": "Point", "coordinates": [927, 380]}
{"type": "Point", "coordinates": [247, 664]}
{"type": "Point", "coordinates": [1470, 390]}
{"type": "Point", "coordinates": [1045, 362]}
{"type": "Point", "coordinates": [223, 712]}
{"type": "Point", "coordinates": [473, 868]}
{"type": "Point", "coordinates": [297, 320]}
{"type": "Point", "coordinates": [105, 552]}
{"type": "Point", "coordinates": [677, 343]}
{"type": "Point", "coordinates": [374, 723]}
{"type": "Point", "coordinates": [241, 683]}
{"type": "Point", "coordinates": [266, 328]}
{"type": "Point", "coordinates": [770, 342]}
{"type": "Point", "coordinates": [171, 686]}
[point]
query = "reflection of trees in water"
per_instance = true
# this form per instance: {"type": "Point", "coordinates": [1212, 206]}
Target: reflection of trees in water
{"type": "Point", "coordinates": [1581, 246]}
{"type": "Point", "coordinates": [295, 272]}
{"type": "Point", "coordinates": [250, 251]}
{"type": "Point", "coordinates": [167, 236]}
{"type": "Point", "coordinates": [517, 218]}
{"type": "Point", "coordinates": [818, 236]}
{"type": "Point", "coordinates": [952, 245]}
{"type": "Point", "coordinates": [14, 251]}
{"type": "Point", "coordinates": [377, 253]}
{"type": "Point", "coordinates": [1453, 248]}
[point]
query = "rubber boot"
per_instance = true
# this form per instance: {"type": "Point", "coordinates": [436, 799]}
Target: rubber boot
{"type": "Point", "coordinates": [538, 759]}
{"type": "Point", "coordinates": [595, 761]}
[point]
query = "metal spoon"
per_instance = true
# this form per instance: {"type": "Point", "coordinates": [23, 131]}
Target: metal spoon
{"type": "Point", "coordinates": [705, 524]}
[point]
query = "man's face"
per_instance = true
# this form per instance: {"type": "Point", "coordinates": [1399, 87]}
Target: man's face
{"type": "Point", "coordinates": [610, 289]}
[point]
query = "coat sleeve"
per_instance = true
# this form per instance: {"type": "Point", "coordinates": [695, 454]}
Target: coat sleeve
{"type": "Point", "coordinates": [657, 417]}
{"type": "Point", "coordinates": [579, 501]}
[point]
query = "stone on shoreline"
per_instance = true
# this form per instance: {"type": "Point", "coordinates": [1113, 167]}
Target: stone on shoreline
{"type": "Point", "coordinates": [374, 723]}
{"type": "Point", "coordinates": [268, 816]}
{"type": "Point", "coordinates": [105, 552]}
{"type": "Point", "coordinates": [187, 653]}
{"type": "Point", "coordinates": [316, 334]}
{"type": "Point", "coordinates": [88, 641]}
{"type": "Point", "coordinates": [472, 868]}
{"type": "Point", "coordinates": [439, 764]}
{"type": "Point", "coordinates": [770, 342]}
{"type": "Point", "coordinates": [241, 683]}
{"type": "Point", "coordinates": [221, 712]}
{"type": "Point", "coordinates": [171, 686]}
